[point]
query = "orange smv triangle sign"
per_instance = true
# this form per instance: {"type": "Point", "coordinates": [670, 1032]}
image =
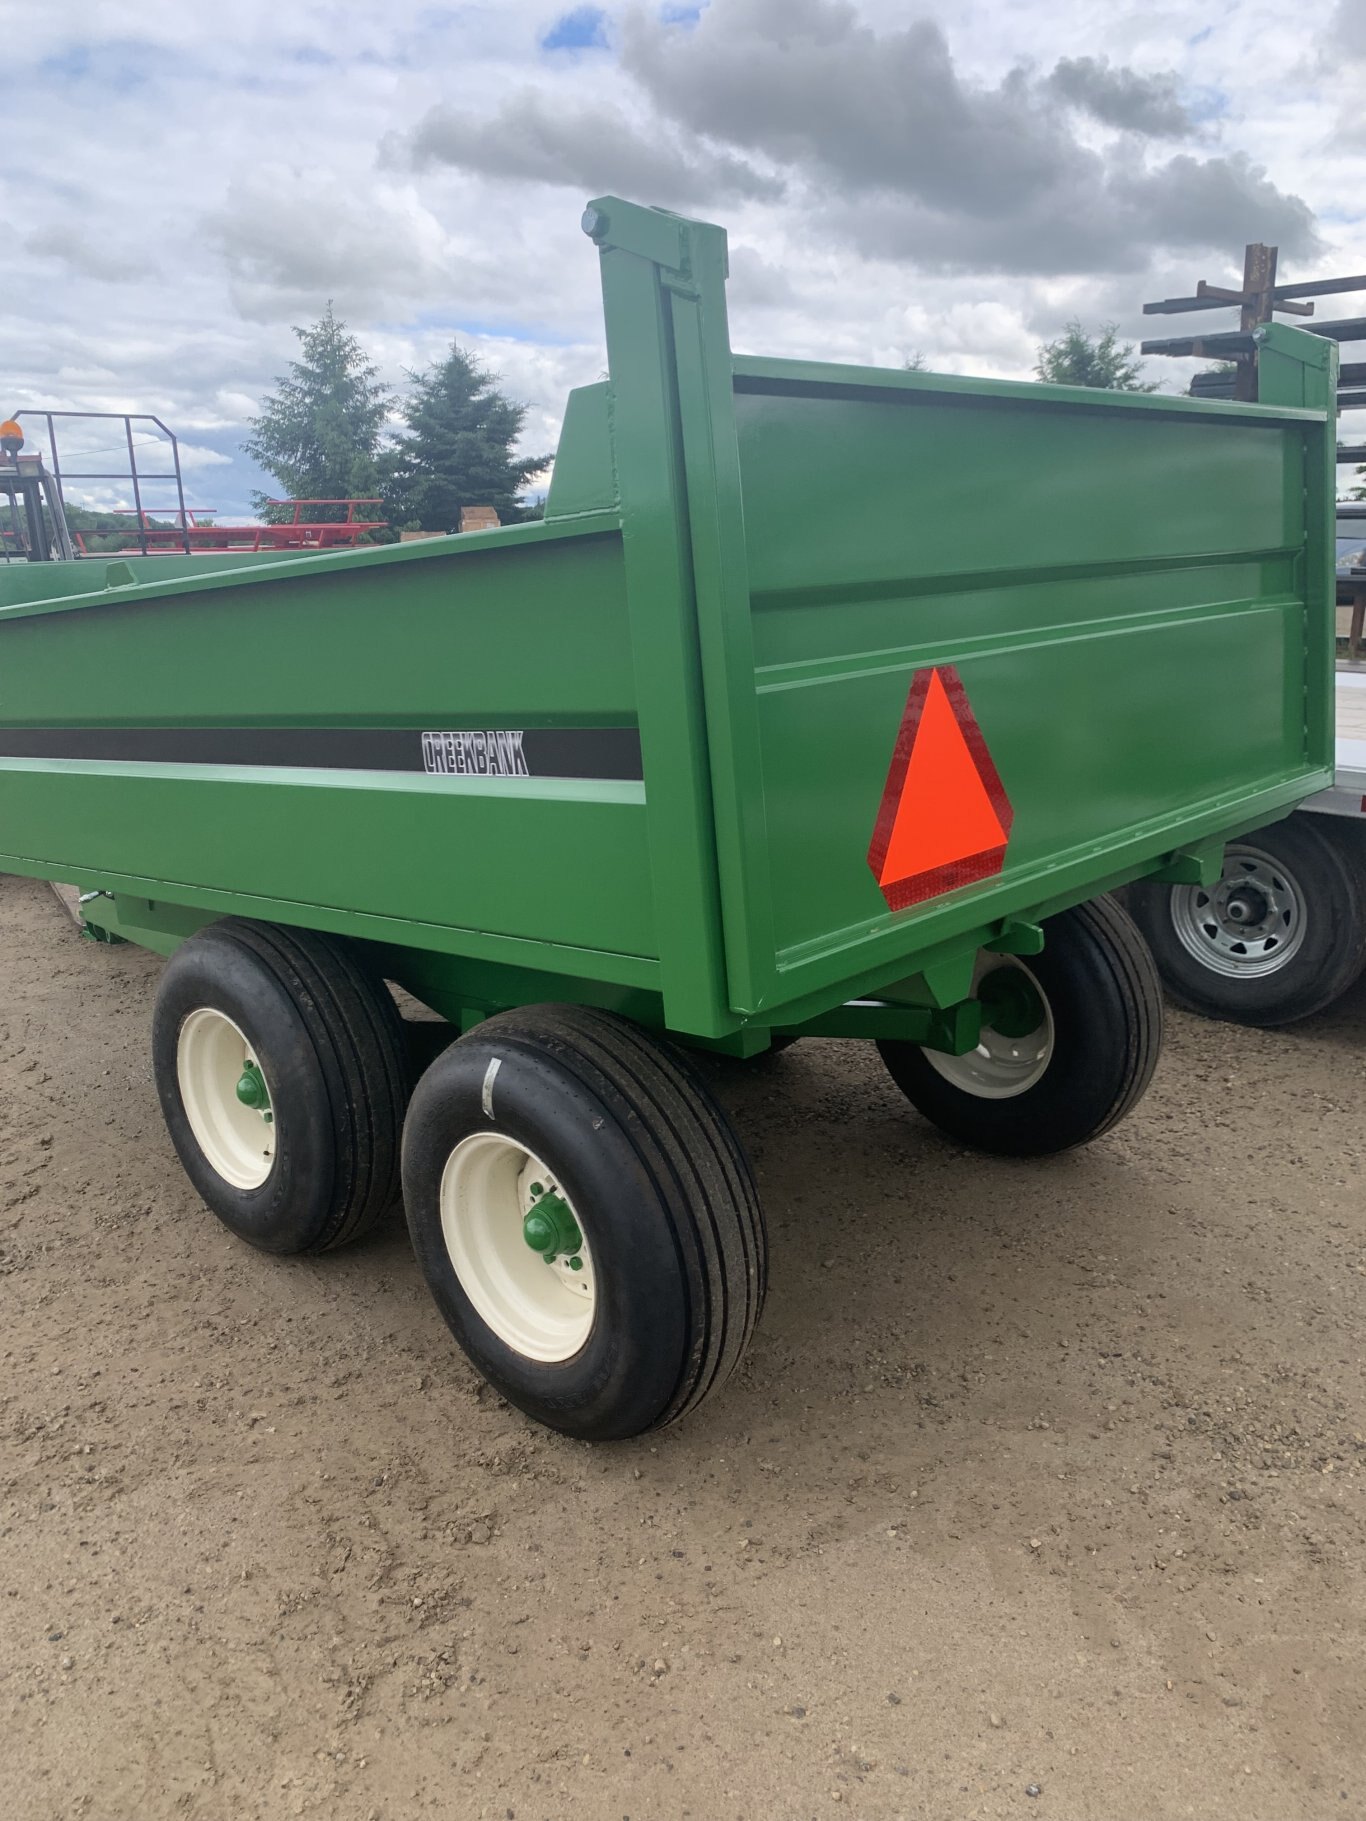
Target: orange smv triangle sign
{"type": "Point", "coordinates": [945, 816]}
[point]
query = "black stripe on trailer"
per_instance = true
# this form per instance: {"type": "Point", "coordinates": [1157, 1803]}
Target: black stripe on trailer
{"type": "Point", "coordinates": [534, 752]}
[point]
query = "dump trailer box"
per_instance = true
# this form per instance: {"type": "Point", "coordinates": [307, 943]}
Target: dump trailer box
{"type": "Point", "coordinates": [818, 702]}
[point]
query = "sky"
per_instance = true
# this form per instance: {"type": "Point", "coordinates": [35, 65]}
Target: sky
{"type": "Point", "coordinates": [182, 182]}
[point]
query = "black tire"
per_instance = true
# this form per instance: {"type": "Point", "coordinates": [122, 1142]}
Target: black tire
{"type": "Point", "coordinates": [1318, 868]}
{"type": "Point", "coordinates": [330, 1043]}
{"type": "Point", "coordinates": [1101, 989]}
{"type": "Point", "coordinates": [651, 1166]}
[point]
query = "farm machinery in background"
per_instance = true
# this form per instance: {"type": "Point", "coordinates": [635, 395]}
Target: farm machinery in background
{"type": "Point", "coordinates": [34, 521]}
{"type": "Point", "coordinates": [199, 532]}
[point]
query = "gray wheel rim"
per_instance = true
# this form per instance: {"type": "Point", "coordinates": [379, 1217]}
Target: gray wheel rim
{"type": "Point", "coordinates": [1000, 1067]}
{"type": "Point", "coordinates": [1250, 924]}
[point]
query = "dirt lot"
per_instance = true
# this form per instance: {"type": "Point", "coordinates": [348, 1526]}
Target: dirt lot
{"type": "Point", "coordinates": [1040, 1495]}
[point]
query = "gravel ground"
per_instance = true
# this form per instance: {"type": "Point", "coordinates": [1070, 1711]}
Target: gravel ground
{"type": "Point", "coordinates": [1040, 1493]}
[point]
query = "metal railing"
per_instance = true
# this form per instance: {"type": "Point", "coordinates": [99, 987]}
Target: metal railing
{"type": "Point", "coordinates": [138, 477]}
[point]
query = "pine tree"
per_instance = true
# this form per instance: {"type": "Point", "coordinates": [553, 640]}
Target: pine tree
{"type": "Point", "coordinates": [1074, 359]}
{"type": "Point", "coordinates": [458, 450]}
{"type": "Point", "coordinates": [319, 432]}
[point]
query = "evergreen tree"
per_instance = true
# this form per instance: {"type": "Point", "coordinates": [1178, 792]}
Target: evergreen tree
{"type": "Point", "coordinates": [1074, 359]}
{"type": "Point", "coordinates": [458, 450]}
{"type": "Point", "coordinates": [319, 432]}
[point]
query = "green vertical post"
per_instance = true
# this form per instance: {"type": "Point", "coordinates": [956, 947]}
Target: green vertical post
{"type": "Point", "coordinates": [711, 454]}
{"type": "Point", "coordinates": [1298, 369]}
{"type": "Point", "coordinates": [699, 403]}
{"type": "Point", "coordinates": [639, 249]}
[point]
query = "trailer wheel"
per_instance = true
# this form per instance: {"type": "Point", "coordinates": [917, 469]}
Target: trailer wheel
{"type": "Point", "coordinates": [283, 1077]}
{"type": "Point", "coordinates": [1069, 1041]}
{"type": "Point", "coordinates": [1280, 936]}
{"type": "Point", "coordinates": [585, 1219]}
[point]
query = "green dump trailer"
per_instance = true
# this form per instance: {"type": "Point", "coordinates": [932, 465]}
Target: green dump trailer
{"type": "Point", "coordinates": [825, 700]}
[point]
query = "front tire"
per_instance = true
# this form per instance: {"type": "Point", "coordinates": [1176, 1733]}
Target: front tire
{"type": "Point", "coordinates": [1281, 936]}
{"type": "Point", "coordinates": [1070, 1039]}
{"type": "Point", "coordinates": [282, 1073]}
{"type": "Point", "coordinates": [585, 1220]}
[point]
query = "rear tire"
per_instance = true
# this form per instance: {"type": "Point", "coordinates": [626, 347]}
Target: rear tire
{"type": "Point", "coordinates": [1282, 935]}
{"type": "Point", "coordinates": [1069, 1063]}
{"type": "Point", "coordinates": [579, 1117]}
{"type": "Point", "coordinates": [299, 1153]}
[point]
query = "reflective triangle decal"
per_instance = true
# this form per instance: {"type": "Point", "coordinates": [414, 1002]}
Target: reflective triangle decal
{"type": "Point", "coordinates": [945, 816]}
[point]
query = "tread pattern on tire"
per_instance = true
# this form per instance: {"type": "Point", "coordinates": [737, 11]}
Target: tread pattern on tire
{"type": "Point", "coordinates": [357, 1035]}
{"type": "Point", "coordinates": [1104, 946]}
{"type": "Point", "coordinates": [687, 1146]}
{"type": "Point", "coordinates": [1131, 963]}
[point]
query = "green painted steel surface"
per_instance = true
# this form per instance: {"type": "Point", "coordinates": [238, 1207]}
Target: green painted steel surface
{"type": "Point", "coordinates": [744, 562]}
{"type": "Point", "coordinates": [465, 637]}
{"type": "Point", "coordinates": [1086, 603]}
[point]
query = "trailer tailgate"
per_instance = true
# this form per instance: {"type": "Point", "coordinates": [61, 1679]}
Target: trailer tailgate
{"type": "Point", "coordinates": [1120, 593]}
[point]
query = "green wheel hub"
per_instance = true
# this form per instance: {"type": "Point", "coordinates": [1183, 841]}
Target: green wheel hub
{"type": "Point", "coordinates": [1010, 1002]}
{"type": "Point", "coordinates": [551, 1229]}
{"type": "Point", "coordinates": [252, 1090]}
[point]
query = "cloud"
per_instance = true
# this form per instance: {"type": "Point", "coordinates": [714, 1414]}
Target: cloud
{"type": "Point", "coordinates": [534, 138]}
{"type": "Point", "coordinates": [910, 157]}
{"type": "Point", "coordinates": [1215, 203]}
{"type": "Point", "coordinates": [81, 250]}
{"type": "Point", "coordinates": [291, 241]}
{"type": "Point", "coordinates": [755, 283]}
{"type": "Point", "coordinates": [959, 186]}
{"type": "Point", "coordinates": [1121, 97]}
{"type": "Point", "coordinates": [195, 455]}
{"type": "Point", "coordinates": [1347, 31]}
{"type": "Point", "coordinates": [1344, 44]}
{"type": "Point", "coordinates": [1090, 221]}
{"type": "Point", "coordinates": [805, 83]}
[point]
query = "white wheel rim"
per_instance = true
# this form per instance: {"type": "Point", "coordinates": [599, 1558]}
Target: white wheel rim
{"type": "Point", "coordinates": [1000, 1067]}
{"type": "Point", "coordinates": [542, 1310]}
{"type": "Point", "coordinates": [1250, 924]}
{"type": "Point", "coordinates": [212, 1056]}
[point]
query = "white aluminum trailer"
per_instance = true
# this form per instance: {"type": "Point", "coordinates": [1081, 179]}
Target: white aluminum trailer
{"type": "Point", "coordinates": [1346, 796]}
